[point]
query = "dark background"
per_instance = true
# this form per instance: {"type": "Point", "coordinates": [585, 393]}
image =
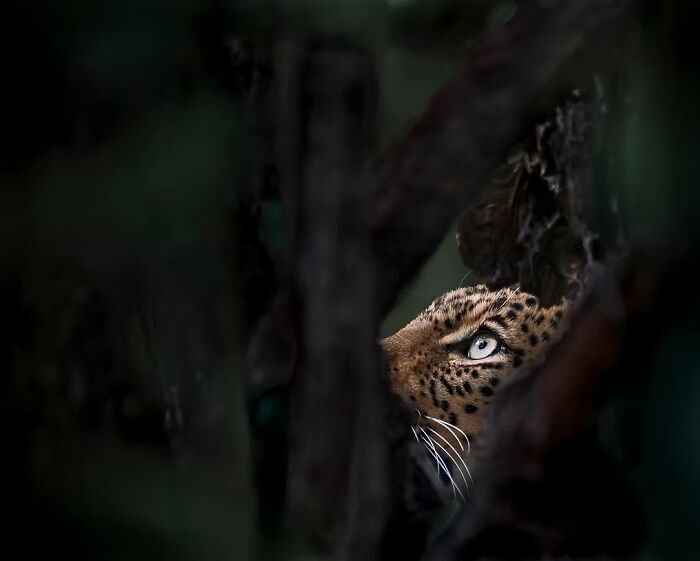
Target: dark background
{"type": "Point", "coordinates": [145, 234]}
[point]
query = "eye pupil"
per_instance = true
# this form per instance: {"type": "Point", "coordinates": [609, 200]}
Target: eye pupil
{"type": "Point", "coordinates": [482, 346]}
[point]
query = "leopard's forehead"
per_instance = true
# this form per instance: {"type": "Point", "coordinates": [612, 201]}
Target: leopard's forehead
{"type": "Point", "coordinates": [475, 301]}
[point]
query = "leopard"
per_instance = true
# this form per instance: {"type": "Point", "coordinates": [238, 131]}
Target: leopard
{"type": "Point", "coordinates": [450, 362]}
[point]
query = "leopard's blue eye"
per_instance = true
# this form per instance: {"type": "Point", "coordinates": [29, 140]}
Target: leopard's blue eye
{"type": "Point", "coordinates": [483, 346]}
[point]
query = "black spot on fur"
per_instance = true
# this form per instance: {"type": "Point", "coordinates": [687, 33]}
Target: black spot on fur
{"type": "Point", "coordinates": [517, 361]}
{"type": "Point", "coordinates": [558, 314]}
{"type": "Point", "coordinates": [432, 388]}
{"type": "Point", "coordinates": [498, 319]}
{"type": "Point", "coordinates": [539, 320]}
{"type": "Point", "coordinates": [469, 408]}
{"type": "Point", "coordinates": [452, 418]}
{"type": "Point", "coordinates": [517, 306]}
{"type": "Point", "coordinates": [491, 365]}
{"type": "Point", "coordinates": [545, 336]}
{"type": "Point", "coordinates": [534, 340]}
{"type": "Point", "coordinates": [486, 391]}
{"type": "Point", "coordinates": [412, 397]}
{"type": "Point", "coordinates": [531, 302]}
{"type": "Point", "coordinates": [494, 382]}
{"type": "Point", "coordinates": [467, 387]}
{"type": "Point", "coordinates": [445, 406]}
{"type": "Point", "coordinates": [448, 323]}
{"type": "Point", "coordinates": [460, 391]}
{"type": "Point", "coordinates": [474, 373]}
{"type": "Point", "coordinates": [447, 385]}
{"type": "Point", "coordinates": [524, 328]}
{"type": "Point", "coordinates": [511, 315]}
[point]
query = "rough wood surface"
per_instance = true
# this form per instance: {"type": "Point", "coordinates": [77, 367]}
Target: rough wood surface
{"type": "Point", "coordinates": [336, 407]}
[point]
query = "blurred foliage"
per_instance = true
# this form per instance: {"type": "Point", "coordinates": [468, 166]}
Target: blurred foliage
{"type": "Point", "coordinates": [124, 153]}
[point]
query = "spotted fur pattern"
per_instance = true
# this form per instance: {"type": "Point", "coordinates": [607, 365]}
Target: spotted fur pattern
{"type": "Point", "coordinates": [429, 359]}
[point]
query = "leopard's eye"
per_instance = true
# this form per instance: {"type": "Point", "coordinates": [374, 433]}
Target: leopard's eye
{"type": "Point", "coordinates": [483, 346]}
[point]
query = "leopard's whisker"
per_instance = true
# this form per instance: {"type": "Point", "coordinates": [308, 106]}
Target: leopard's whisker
{"type": "Point", "coordinates": [431, 448]}
{"type": "Point", "coordinates": [466, 485]}
{"type": "Point", "coordinates": [437, 466]}
{"type": "Point", "coordinates": [429, 442]}
{"type": "Point", "coordinates": [441, 460]}
{"type": "Point", "coordinates": [464, 278]}
{"type": "Point", "coordinates": [436, 455]}
{"type": "Point", "coordinates": [416, 435]}
{"type": "Point", "coordinates": [449, 427]}
{"type": "Point", "coordinates": [464, 463]}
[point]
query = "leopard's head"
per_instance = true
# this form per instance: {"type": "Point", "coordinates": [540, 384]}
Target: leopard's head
{"type": "Point", "coordinates": [451, 359]}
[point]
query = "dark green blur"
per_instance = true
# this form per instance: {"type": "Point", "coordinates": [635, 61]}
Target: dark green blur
{"type": "Point", "coordinates": [142, 237]}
